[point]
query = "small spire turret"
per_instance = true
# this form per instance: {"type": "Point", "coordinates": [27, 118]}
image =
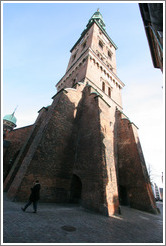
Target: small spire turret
{"type": "Point", "coordinates": [9, 122]}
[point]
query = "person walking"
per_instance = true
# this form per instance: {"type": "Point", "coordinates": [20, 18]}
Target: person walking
{"type": "Point", "coordinates": [34, 197]}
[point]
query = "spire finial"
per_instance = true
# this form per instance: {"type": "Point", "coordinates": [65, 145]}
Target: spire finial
{"type": "Point", "coordinates": [15, 110]}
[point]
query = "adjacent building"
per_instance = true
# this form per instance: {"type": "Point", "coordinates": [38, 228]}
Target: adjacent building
{"type": "Point", "coordinates": [152, 16]}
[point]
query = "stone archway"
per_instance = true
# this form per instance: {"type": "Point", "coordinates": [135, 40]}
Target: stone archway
{"type": "Point", "coordinates": [76, 189]}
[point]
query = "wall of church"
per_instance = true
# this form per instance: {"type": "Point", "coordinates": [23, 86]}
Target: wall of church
{"type": "Point", "coordinates": [50, 156]}
{"type": "Point", "coordinates": [88, 163]}
{"type": "Point", "coordinates": [134, 185]}
{"type": "Point", "coordinates": [72, 141]}
{"type": "Point", "coordinates": [83, 150]}
{"type": "Point", "coordinates": [107, 123]}
{"type": "Point", "coordinates": [23, 153]}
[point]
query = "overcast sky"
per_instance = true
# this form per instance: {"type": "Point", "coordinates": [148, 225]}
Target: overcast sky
{"type": "Point", "coordinates": [37, 38]}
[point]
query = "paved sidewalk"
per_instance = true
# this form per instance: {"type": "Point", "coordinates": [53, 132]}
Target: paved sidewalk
{"type": "Point", "coordinates": [73, 224]}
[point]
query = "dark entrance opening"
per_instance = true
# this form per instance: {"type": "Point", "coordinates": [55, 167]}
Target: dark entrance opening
{"type": "Point", "coordinates": [123, 197]}
{"type": "Point", "coordinates": [76, 189]}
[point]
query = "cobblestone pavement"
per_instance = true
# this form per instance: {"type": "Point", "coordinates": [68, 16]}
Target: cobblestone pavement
{"type": "Point", "coordinates": [55, 223]}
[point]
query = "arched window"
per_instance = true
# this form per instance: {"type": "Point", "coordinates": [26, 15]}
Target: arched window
{"type": "Point", "coordinates": [74, 56]}
{"type": "Point", "coordinates": [84, 45]}
{"type": "Point", "coordinates": [109, 91]}
{"type": "Point", "coordinates": [103, 86]}
{"type": "Point", "coordinates": [100, 44]}
{"type": "Point", "coordinates": [109, 54]}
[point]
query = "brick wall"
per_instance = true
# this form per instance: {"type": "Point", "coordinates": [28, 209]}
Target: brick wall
{"type": "Point", "coordinates": [134, 184]}
{"type": "Point", "coordinates": [46, 158]}
{"type": "Point", "coordinates": [16, 139]}
{"type": "Point", "coordinates": [70, 145]}
{"type": "Point", "coordinates": [81, 148]}
{"type": "Point", "coordinates": [88, 162]}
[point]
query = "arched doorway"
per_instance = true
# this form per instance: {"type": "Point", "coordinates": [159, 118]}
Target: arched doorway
{"type": "Point", "coordinates": [76, 189]}
{"type": "Point", "coordinates": [123, 196]}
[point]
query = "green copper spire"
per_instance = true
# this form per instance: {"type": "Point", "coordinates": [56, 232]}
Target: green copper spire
{"type": "Point", "coordinates": [10, 117]}
{"type": "Point", "coordinates": [98, 17]}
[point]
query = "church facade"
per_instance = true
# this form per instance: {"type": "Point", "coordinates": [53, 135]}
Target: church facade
{"type": "Point", "coordinates": [82, 147]}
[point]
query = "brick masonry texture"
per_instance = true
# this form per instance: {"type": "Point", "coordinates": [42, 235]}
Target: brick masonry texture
{"type": "Point", "coordinates": [15, 139]}
{"type": "Point", "coordinates": [75, 138]}
{"type": "Point", "coordinates": [133, 176]}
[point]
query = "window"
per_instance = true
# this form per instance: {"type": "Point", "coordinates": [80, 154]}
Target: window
{"type": "Point", "coordinates": [109, 91]}
{"type": "Point", "coordinates": [103, 86]}
{"type": "Point", "coordinates": [74, 56]}
{"type": "Point", "coordinates": [109, 54]}
{"type": "Point", "coordinates": [100, 44]}
{"type": "Point", "coordinates": [83, 45]}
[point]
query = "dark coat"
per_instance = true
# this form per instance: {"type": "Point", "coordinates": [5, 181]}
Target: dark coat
{"type": "Point", "coordinates": [35, 193]}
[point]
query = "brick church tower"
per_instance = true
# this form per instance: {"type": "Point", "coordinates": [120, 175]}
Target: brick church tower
{"type": "Point", "coordinates": [82, 147]}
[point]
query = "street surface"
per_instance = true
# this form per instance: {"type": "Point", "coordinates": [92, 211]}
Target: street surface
{"type": "Point", "coordinates": [56, 223]}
